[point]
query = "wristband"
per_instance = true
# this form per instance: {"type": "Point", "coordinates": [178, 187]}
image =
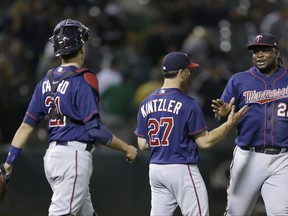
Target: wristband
{"type": "Point", "coordinates": [13, 154]}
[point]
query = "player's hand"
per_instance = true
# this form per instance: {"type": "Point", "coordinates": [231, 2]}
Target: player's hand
{"type": "Point", "coordinates": [222, 108]}
{"type": "Point", "coordinates": [234, 117]}
{"type": "Point", "coordinates": [5, 171]}
{"type": "Point", "coordinates": [131, 154]}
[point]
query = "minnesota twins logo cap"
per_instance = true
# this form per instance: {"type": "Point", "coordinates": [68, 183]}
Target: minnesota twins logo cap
{"type": "Point", "coordinates": [175, 61]}
{"type": "Point", "coordinates": [263, 39]}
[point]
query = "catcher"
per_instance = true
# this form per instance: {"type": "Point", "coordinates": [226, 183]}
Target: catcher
{"type": "Point", "coordinates": [68, 95]}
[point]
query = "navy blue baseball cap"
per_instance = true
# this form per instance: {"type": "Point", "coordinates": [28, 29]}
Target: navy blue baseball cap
{"type": "Point", "coordinates": [175, 61]}
{"type": "Point", "coordinates": [263, 39]}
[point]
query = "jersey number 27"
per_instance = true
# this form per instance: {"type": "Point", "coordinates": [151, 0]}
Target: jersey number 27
{"type": "Point", "coordinates": [164, 126]}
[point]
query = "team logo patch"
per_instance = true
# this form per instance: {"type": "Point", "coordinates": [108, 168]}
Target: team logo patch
{"type": "Point", "coordinates": [162, 91]}
{"type": "Point", "coordinates": [258, 38]}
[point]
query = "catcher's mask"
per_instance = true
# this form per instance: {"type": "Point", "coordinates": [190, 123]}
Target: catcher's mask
{"type": "Point", "coordinates": [68, 36]}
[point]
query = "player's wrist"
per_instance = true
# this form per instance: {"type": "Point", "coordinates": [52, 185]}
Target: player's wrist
{"type": "Point", "coordinates": [126, 149]}
{"type": "Point", "coordinates": [220, 119]}
{"type": "Point", "coordinates": [13, 155]}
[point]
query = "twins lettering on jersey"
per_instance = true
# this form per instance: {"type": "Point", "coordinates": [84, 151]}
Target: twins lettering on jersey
{"type": "Point", "coordinates": [62, 87]}
{"type": "Point", "coordinates": [262, 97]}
{"type": "Point", "coordinates": [160, 105]}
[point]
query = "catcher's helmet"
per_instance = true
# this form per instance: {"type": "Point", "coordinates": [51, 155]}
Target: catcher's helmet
{"type": "Point", "coordinates": [68, 36]}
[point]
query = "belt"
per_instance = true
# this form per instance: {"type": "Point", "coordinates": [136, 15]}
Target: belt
{"type": "Point", "coordinates": [266, 150]}
{"type": "Point", "coordinates": [75, 144]}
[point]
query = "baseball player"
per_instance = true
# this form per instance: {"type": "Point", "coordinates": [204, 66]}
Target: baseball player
{"type": "Point", "coordinates": [68, 96]}
{"type": "Point", "coordinates": [260, 159]}
{"type": "Point", "coordinates": [171, 124]}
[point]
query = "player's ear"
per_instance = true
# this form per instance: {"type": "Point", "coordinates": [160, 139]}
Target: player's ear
{"type": "Point", "coordinates": [82, 50]}
{"type": "Point", "coordinates": [180, 72]}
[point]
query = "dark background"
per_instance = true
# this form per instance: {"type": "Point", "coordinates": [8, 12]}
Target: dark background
{"type": "Point", "coordinates": [131, 37]}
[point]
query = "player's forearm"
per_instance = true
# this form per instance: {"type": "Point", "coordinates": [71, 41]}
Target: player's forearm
{"type": "Point", "coordinates": [19, 141]}
{"type": "Point", "coordinates": [22, 135]}
{"type": "Point", "coordinates": [208, 139]}
{"type": "Point", "coordinates": [218, 134]}
{"type": "Point", "coordinates": [118, 144]}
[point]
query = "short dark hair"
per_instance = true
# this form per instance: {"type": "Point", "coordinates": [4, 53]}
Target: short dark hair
{"type": "Point", "coordinates": [170, 74]}
{"type": "Point", "coordinates": [70, 55]}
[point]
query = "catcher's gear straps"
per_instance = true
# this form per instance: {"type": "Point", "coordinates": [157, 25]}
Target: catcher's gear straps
{"type": "Point", "coordinates": [89, 77]}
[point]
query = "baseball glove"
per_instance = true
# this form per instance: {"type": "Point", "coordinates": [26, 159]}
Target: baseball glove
{"type": "Point", "coordinates": [4, 178]}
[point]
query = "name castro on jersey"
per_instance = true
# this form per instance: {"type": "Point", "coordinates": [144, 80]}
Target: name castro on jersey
{"type": "Point", "coordinates": [62, 87]}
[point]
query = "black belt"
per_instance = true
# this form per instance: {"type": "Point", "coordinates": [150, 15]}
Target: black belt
{"type": "Point", "coordinates": [266, 150]}
{"type": "Point", "coordinates": [89, 146]}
